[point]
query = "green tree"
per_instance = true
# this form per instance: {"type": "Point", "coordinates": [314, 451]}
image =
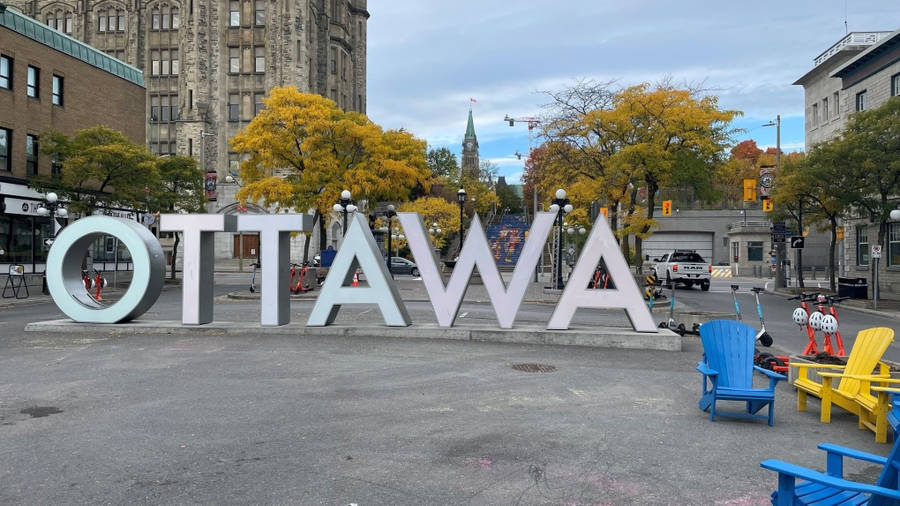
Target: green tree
{"type": "Point", "coordinates": [509, 199]}
{"type": "Point", "coordinates": [870, 151]}
{"type": "Point", "coordinates": [99, 167]}
{"type": "Point", "coordinates": [443, 164]}
{"type": "Point", "coordinates": [180, 189]}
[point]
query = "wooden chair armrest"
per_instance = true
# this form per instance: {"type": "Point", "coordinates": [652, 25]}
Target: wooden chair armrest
{"type": "Point", "coordinates": [869, 377]}
{"type": "Point", "coordinates": [706, 370]}
{"type": "Point", "coordinates": [795, 471]}
{"type": "Point", "coordinates": [771, 374]}
{"type": "Point", "coordinates": [843, 451]}
{"type": "Point", "coordinates": [816, 366]}
{"type": "Point", "coordinates": [890, 390]}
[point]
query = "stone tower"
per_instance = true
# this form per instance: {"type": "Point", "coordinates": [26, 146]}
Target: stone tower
{"type": "Point", "coordinates": [470, 149]}
{"type": "Point", "coordinates": [209, 63]}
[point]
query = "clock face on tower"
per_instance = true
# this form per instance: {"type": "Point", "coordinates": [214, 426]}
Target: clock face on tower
{"type": "Point", "coordinates": [469, 144]}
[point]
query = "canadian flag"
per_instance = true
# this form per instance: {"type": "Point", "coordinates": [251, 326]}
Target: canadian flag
{"type": "Point", "coordinates": [472, 100]}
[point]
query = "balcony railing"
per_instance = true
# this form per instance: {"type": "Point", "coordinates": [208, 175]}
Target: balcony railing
{"type": "Point", "coordinates": [852, 39]}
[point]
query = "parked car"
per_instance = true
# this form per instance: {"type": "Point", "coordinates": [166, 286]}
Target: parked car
{"type": "Point", "coordinates": [683, 266]}
{"type": "Point", "coordinates": [400, 265]}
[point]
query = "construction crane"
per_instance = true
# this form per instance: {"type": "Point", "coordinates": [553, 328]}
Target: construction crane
{"type": "Point", "coordinates": [532, 123]}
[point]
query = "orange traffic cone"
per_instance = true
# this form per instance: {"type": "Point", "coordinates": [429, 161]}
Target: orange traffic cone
{"type": "Point", "coordinates": [356, 279]}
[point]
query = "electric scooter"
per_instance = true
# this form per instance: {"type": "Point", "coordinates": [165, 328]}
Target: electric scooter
{"type": "Point", "coordinates": [671, 324]}
{"type": "Point", "coordinates": [811, 348]}
{"type": "Point", "coordinates": [253, 277]}
{"type": "Point", "coordinates": [833, 312]}
{"type": "Point", "coordinates": [762, 336]}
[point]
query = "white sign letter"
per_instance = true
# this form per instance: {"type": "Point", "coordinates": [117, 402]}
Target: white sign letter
{"type": "Point", "coordinates": [602, 244]}
{"type": "Point", "coordinates": [274, 257]}
{"type": "Point", "coordinates": [198, 231]}
{"type": "Point", "coordinates": [359, 250]}
{"type": "Point", "coordinates": [475, 251]}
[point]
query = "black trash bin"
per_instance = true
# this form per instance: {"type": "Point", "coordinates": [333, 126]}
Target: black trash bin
{"type": "Point", "coordinates": [855, 288]}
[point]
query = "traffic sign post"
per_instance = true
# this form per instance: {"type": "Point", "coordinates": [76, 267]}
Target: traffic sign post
{"type": "Point", "coordinates": [876, 251]}
{"type": "Point", "coordinates": [797, 242]}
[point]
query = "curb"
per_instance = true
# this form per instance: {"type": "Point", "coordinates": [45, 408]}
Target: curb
{"type": "Point", "coordinates": [596, 337]}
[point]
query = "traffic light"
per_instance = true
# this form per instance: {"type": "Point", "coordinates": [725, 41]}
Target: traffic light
{"type": "Point", "coordinates": [667, 208]}
{"type": "Point", "coordinates": [767, 205]}
{"type": "Point", "coordinates": [605, 211]}
{"type": "Point", "coordinates": [749, 190]}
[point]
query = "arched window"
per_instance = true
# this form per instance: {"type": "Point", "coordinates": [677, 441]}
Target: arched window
{"type": "Point", "coordinates": [68, 29]}
{"type": "Point", "coordinates": [101, 20]}
{"type": "Point", "coordinates": [165, 17]}
{"type": "Point", "coordinates": [51, 20]}
{"type": "Point", "coordinates": [156, 17]}
{"type": "Point", "coordinates": [176, 20]}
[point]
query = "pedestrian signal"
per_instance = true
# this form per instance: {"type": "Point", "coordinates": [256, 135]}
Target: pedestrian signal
{"type": "Point", "coordinates": [667, 208]}
{"type": "Point", "coordinates": [767, 205]}
{"type": "Point", "coordinates": [749, 190]}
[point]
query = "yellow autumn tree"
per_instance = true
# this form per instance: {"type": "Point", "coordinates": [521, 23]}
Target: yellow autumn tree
{"type": "Point", "coordinates": [434, 210]}
{"type": "Point", "coordinates": [302, 151]}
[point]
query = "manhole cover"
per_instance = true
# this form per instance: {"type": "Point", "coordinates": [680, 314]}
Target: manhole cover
{"type": "Point", "coordinates": [40, 411]}
{"type": "Point", "coordinates": [534, 367]}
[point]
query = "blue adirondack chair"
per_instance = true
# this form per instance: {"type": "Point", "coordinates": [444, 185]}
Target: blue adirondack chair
{"type": "Point", "coordinates": [727, 369]}
{"type": "Point", "coordinates": [830, 488]}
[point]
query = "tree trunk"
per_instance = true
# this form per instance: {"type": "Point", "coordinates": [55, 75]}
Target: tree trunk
{"type": "Point", "coordinates": [831, 250]}
{"type": "Point", "coordinates": [614, 218]}
{"type": "Point", "coordinates": [323, 241]}
{"type": "Point", "coordinates": [800, 250]}
{"type": "Point", "coordinates": [652, 188]}
{"type": "Point", "coordinates": [175, 253]}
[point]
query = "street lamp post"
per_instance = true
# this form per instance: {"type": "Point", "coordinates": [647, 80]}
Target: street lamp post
{"type": "Point", "coordinates": [344, 206]}
{"type": "Point", "coordinates": [461, 198]}
{"type": "Point", "coordinates": [561, 207]}
{"type": "Point", "coordinates": [232, 179]}
{"type": "Point", "coordinates": [51, 207]}
{"type": "Point", "coordinates": [391, 212]}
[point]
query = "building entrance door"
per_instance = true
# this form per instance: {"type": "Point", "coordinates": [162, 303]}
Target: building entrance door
{"type": "Point", "coordinates": [251, 246]}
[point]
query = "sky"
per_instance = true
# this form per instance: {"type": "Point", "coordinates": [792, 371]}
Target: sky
{"type": "Point", "coordinates": [427, 58]}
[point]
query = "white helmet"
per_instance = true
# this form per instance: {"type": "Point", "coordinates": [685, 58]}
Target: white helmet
{"type": "Point", "coordinates": [829, 324]}
{"type": "Point", "coordinates": [800, 316]}
{"type": "Point", "coordinates": [815, 320]}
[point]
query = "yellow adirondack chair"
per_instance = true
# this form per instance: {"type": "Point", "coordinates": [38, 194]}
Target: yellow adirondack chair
{"type": "Point", "coordinates": [854, 392]}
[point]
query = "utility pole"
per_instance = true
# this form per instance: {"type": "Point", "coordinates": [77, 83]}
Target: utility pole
{"type": "Point", "coordinates": [780, 281]}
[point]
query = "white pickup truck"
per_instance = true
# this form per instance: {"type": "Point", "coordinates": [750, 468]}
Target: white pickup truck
{"type": "Point", "coordinates": [683, 266]}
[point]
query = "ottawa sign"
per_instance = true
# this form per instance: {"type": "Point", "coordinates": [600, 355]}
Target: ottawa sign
{"type": "Point", "coordinates": [359, 250]}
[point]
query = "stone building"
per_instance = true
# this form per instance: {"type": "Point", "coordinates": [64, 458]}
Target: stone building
{"type": "Point", "coordinates": [209, 63]}
{"type": "Point", "coordinates": [860, 72]}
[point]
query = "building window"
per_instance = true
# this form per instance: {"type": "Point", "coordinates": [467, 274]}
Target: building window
{"type": "Point", "coordinates": [825, 109]}
{"type": "Point", "coordinates": [156, 24]}
{"type": "Point", "coordinates": [234, 18]}
{"type": "Point", "coordinates": [258, 103]}
{"type": "Point", "coordinates": [814, 117]}
{"type": "Point", "coordinates": [259, 12]}
{"type": "Point", "coordinates": [164, 108]}
{"type": "Point", "coordinates": [894, 244]}
{"type": "Point", "coordinates": [895, 85]}
{"type": "Point", "coordinates": [57, 90]}
{"type": "Point", "coordinates": [835, 103]}
{"type": "Point", "coordinates": [862, 246]}
{"type": "Point", "coordinates": [755, 251]}
{"type": "Point", "coordinates": [176, 63]}
{"type": "Point", "coordinates": [333, 63]}
{"type": "Point", "coordinates": [234, 107]}
{"type": "Point", "coordinates": [164, 62]}
{"type": "Point", "coordinates": [234, 162]}
{"type": "Point", "coordinates": [6, 70]}
{"type": "Point", "coordinates": [31, 154]}
{"type": "Point", "coordinates": [259, 59]}
{"type": "Point", "coordinates": [68, 23]}
{"type": "Point", "coordinates": [176, 19]}
{"type": "Point", "coordinates": [861, 101]}
{"type": "Point", "coordinates": [55, 167]}
{"type": "Point", "coordinates": [234, 60]}
{"type": "Point", "coordinates": [5, 148]}
{"type": "Point", "coordinates": [33, 84]}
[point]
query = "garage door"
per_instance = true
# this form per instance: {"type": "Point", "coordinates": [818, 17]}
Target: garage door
{"type": "Point", "coordinates": [661, 242]}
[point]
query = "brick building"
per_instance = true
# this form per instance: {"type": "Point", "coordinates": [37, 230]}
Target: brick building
{"type": "Point", "coordinates": [50, 80]}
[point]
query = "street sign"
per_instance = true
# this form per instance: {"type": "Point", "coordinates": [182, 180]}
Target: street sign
{"type": "Point", "coordinates": [797, 242]}
{"type": "Point", "coordinates": [778, 238]}
{"type": "Point", "coordinates": [876, 251]}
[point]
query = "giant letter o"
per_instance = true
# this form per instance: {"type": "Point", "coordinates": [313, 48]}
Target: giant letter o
{"type": "Point", "coordinates": [64, 270]}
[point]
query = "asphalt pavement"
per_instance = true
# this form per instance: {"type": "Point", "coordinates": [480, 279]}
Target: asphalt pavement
{"type": "Point", "coordinates": [113, 418]}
